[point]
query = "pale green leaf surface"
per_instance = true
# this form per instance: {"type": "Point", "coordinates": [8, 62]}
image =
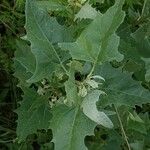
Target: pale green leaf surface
{"type": "Point", "coordinates": [42, 31]}
{"type": "Point", "coordinates": [69, 127]}
{"type": "Point", "coordinates": [98, 42]}
{"type": "Point", "coordinates": [90, 109]}
{"type": "Point", "coordinates": [120, 88]}
{"type": "Point", "coordinates": [33, 114]}
{"type": "Point", "coordinates": [86, 11]}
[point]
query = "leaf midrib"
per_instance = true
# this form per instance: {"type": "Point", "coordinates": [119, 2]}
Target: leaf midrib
{"type": "Point", "coordinates": [72, 127]}
{"type": "Point", "coordinates": [104, 41]}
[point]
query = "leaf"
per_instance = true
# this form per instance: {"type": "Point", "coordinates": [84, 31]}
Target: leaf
{"type": "Point", "coordinates": [70, 126]}
{"type": "Point", "coordinates": [147, 66]}
{"type": "Point", "coordinates": [33, 114]}
{"type": "Point", "coordinates": [90, 109]}
{"type": "Point", "coordinates": [142, 38]}
{"type": "Point", "coordinates": [52, 5]}
{"type": "Point", "coordinates": [69, 122]}
{"type": "Point", "coordinates": [146, 9]}
{"type": "Point", "coordinates": [86, 11]}
{"type": "Point", "coordinates": [132, 66]}
{"type": "Point", "coordinates": [137, 145]}
{"type": "Point", "coordinates": [136, 123]}
{"type": "Point", "coordinates": [98, 42]}
{"type": "Point", "coordinates": [42, 31]}
{"type": "Point", "coordinates": [71, 89]}
{"type": "Point", "coordinates": [24, 56]}
{"type": "Point", "coordinates": [135, 45]}
{"type": "Point", "coordinates": [112, 140]}
{"type": "Point", "coordinates": [120, 88]}
{"type": "Point", "coordinates": [24, 63]}
{"type": "Point", "coordinates": [21, 74]}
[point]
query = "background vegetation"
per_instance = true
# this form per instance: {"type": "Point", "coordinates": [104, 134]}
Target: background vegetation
{"type": "Point", "coordinates": [12, 20]}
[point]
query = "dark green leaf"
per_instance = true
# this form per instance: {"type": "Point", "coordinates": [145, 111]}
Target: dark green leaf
{"type": "Point", "coordinates": [33, 114]}
{"type": "Point", "coordinates": [120, 88]}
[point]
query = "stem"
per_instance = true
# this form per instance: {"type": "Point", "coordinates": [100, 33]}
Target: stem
{"type": "Point", "coordinates": [93, 67]}
{"type": "Point", "coordinates": [6, 25]}
{"type": "Point", "coordinates": [143, 7]}
{"type": "Point", "coordinates": [142, 18]}
{"type": "Point", "coordinates": [122, 129]}
{"type": "Point", "coordinates": [63, 67]}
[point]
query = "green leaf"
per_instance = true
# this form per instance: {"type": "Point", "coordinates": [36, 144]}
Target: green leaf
{"type": "Point", "coordinates": [146, 9]}
{"type": "Point", "coordinates": [98, 42]}
{"type": "Point", "coordinates": [111, 141]}
{"type": "Point", "coordinates": [53, 5]}
{"type": "Point", "coordinates": [142, 38]}
{"type": "Point", "coordinates": [42, 31]}
{"type": "Point", "coordinates": [71, 90]}
{"type": "Point", "coordinates": [147, 66]}
{"type": "Point", "coordinates": [86, 11]}
{"type": "Point", "coordinates": [127, 44]}
{"type": "Point", "coordinates": [132, 66]}
{"type": "Point", "coordinates": [70, 126]}
{"type": "Point", "coordinates": [21, 74]}
{"type": "Point", "coordinates": [90, 109]}
{"type": "Point", "coordinates": [24, 63]}
{"type": "Point", "coordinates": [24, 56]}
{"type": "Point", "coordinates": [120, 88]}
{"type": "Point", "coordinates": [136, 123]}
{"type": "Point", "coordinates": [33, 114]}
{"type": "Point", "coordinates": [137, 145]}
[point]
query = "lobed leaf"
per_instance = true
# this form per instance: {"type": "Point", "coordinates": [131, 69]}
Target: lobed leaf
{"type": "Point", "coordinates": [86, 11]}
{"type": "Point", "coordinates": [70, 126]}
{"type": "Point", "coordinates": [90, 109]}
{"type": "Point", "coordinates": [98, 42]}
{"type": "Point", "coordinates": [33, 114]}
{"type": "Point", "coordinates": [120, 88]}
{"type": "Point", "coordinates": [24, 63]}
{"type": "Point", "coordinates": [42, 32]}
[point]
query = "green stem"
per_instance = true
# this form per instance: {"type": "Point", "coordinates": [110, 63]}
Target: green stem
{"type": "Point", "coordinates": [92, 70]}
{"type": "Point", "coordinates": [122, 128]}
{"type": "Point", "coordinates": [63, 67]}
{"type": "Point", "coordinates": [143, 7]}
{"type": "Point", "coordinates": [7, 26]}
